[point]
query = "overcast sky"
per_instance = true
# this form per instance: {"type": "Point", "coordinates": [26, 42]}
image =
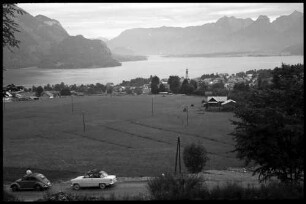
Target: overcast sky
{"type": "Point", "coordinates": [108, 20]}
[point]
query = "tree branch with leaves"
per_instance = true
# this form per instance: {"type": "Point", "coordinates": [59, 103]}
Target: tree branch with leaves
{"type": "Point", "coordinates": [10, 27]}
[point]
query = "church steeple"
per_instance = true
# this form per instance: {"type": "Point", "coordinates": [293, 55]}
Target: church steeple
{"type": "Point", "coordinates": [187, 74]}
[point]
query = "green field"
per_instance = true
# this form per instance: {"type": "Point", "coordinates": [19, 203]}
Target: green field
{"type": "Point", "coordinates": [121, 135]}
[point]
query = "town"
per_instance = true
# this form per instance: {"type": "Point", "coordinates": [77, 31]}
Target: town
{"type": "Point", "coordinates": [216, 88]}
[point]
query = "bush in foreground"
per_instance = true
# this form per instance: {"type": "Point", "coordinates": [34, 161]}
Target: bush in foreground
{"type": "Point", "coordinates": [7, 197]}
{"type": "Point", "coordinates": [195, 157]}
{"type": "Point", "coordinates": [64, 196]}
{"type": "Point", "coordinates": [272, 191]}
{"type": "Point", "coordinates": [176, 187]}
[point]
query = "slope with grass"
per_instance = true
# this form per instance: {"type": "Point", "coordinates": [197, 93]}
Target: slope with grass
{"type": "Point", "coordinates": [121, 134]}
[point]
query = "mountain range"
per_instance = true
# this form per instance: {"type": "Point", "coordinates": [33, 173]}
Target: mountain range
{"type": "Point", "coordinates": [45, 43]}
{"type": "Point", "coordinates": [227, 35]}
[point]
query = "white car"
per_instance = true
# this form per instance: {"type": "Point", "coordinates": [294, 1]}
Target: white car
{"type": "Point", "coordinates": [93, 179]}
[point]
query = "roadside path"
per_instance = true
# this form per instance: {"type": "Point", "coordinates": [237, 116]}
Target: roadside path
{"type": "Point", "coordinates": [138, 185]}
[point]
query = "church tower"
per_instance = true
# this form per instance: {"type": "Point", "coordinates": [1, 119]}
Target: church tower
{"type": "Point", "coordinates": [187, 74]}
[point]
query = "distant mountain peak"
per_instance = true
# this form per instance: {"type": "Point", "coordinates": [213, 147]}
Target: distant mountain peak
{"type": "Point", "coordinates": [296, 13]}
{"type": "Point", "coordinates": [225, 19]}
{"type": "Point", "coordinates": [263, 18]}
{"type": "Point", "coordinates": [47, 20]}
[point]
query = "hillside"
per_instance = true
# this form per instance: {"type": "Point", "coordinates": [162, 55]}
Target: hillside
{"type": "Point", "coordinates": [46, 44]}
{"type": "Point", "coordinates": [228, 34]}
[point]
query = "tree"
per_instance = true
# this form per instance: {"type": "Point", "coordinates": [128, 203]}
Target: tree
{"type": "Point", "coordinates": [194, 84]}
{"type": "Point", "coordinates": [154, 85]}
{"type": "Point", "coordinates": [65, 91]}
{"type": "Point", "coordinates": [241, 87]}
{"type": "Point", "coordinates": [9, 26]}
{"type": "Point", "coordinates": [162, 88]}
{"type": "Point", "coordinates": [39, 90]}
{"type": "Point", "coordinates": [109, 90]}
{"type": "Point", "coordinates": [195, 157]}
{"type": "Point", "coordinates": [174, 83]}
{"type": "Point", "coordinates": [48, 87]}
{"type": "Point", "coordinates": [241, 74]}
{"type": "Point", "coordinates": [186, 88]}
{"type": "Point", "coordinates": [270, 129]}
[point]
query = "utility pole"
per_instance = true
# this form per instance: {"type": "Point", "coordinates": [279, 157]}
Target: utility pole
{"type": "Point", "coordinates": [71, 103]}
{"type": "Point", "coordinates": [83, 122]}
{"type": "Point", "coordinates": [187, 114]}
{"type": "Point", "coordinates": [152, 105]}
{"type": "Point", "coordinates": [178, 155]}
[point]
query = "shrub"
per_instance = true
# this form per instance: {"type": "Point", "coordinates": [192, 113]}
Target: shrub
{"type": "Point", "coordinates": [176, 187]}
{"type": "Point", "coordinates": [63, 196]}
{"type": "Point", "coordinates": [39, 91]}
{"type": "Point", "coordinates": [275, 190]}
{"type": "Point", "coordinates": [9, 197]}
{"type": "Point", "coordinates": [65, 92]}
{"type": "Point", "coordinates": [195, 157]}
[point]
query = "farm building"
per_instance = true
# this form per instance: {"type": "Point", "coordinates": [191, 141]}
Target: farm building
{"type": "Point", "coordinates": [213, 101]}
{"type": "Point", "coordinates": [228, 104]}
{"type": "Point", "coordinates": [50, 94]}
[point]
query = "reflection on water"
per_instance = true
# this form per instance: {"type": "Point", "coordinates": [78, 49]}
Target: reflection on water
{"type": "Point", "coordinates": [162, 67]}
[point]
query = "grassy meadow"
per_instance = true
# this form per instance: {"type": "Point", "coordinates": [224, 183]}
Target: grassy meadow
{"type": "Point", "coordinates": [121, 135]}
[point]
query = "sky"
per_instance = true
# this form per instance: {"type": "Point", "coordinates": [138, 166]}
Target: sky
{"type": "Point", "coordinates": [108, 20]}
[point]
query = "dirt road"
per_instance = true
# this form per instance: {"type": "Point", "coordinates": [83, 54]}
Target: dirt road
{"type": "Point", "coordinates": [136, 186]}
{"type": "Point", "coordinates": [120, 189]}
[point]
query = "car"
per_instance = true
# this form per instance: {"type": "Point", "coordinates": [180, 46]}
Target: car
{"type": "Point", "coordinates": [93, 178]}
{"type": "Point", "coordinates": [34, 181]}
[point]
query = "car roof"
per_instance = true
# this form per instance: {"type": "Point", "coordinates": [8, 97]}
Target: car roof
{"type": "Point", "coordinates": [36, 175]}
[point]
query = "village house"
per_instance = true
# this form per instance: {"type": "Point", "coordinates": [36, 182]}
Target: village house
{"type": "Point", "coordinates": [213, 101]}
{"type": "Point", "coordinates": [146, 89]}
{"type": "Point", "coordinates": [50, 94]}
{"type": "Point", "coordinates": [228, 105]}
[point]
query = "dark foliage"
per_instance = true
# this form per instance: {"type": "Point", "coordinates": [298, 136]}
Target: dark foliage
{"type": "Point", "coordinates": [176, 187]}
{"type": "Point", "coordinates": [65, 92]}
{"type": "Point", "coordinates": [39, 91]}
{"type": "Point", "coordinates": [195, 157]}
{"type": "Point", "coordinates": [271, 126]}
{"type": "Point", "coordinates": [155, 85]}
{"type": "Point", "coordinates": [174, 83]}
{"type": "Point", "coordinates": [162, 88]}
{"type": "Point", "coordinates": [187, 88]}
{"type": "Point", "coordinates": [9, 25]}
{"type": "Point", "coordinates": [136, 82]}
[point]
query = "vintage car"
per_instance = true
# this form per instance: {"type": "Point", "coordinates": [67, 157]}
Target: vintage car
{"type": "Point", "coordinates": [93, 178]}
{"type": "Point", "coordinates": [34, 181]}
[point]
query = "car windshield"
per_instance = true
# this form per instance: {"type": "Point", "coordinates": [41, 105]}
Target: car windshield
{"type": "Point", "coordinates": [103, 174]}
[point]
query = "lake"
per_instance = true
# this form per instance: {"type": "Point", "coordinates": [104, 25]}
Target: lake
{"type": "Point", "coordinates": [162, 67]}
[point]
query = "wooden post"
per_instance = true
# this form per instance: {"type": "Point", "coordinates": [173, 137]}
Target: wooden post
{"type": "Point", "coordinates": [178, 155]}
{"type": "Point", "coordinates": [179, 152]}
{"type": "Point", "coordinates": [83, 122]}
{"type": "Point", "coordinates": [187, 114]}
{"type": "Point", "coordinates": [71, 103]}
{"type": "Point", "coordinates": [176, 158]}
{"type": "Point", "coordinates": [152, 105]}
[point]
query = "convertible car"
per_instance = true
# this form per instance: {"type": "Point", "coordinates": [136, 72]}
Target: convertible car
{"type": "Point", "coordinates": [93, 178]}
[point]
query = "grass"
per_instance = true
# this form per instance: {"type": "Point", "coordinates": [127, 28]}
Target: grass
{"type": "Point", "coordinates": [121, 136]}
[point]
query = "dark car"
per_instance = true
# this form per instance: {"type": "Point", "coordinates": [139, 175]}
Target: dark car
{"type": "Point", "coordinates": [35, 181]}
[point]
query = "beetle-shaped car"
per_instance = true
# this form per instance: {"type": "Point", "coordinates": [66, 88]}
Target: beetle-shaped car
{"type": "Point", "coordinates": [35, 181]}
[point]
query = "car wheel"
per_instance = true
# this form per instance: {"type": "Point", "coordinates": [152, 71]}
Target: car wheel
{"type": "Point", "coordinates": [14, 188]}
{"type": "Point", "coordinates": [38, 188]}
{"type": "Point", "coordinates": [76, 187]}
{"type": "Point", "coordinates": [102, 185]}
